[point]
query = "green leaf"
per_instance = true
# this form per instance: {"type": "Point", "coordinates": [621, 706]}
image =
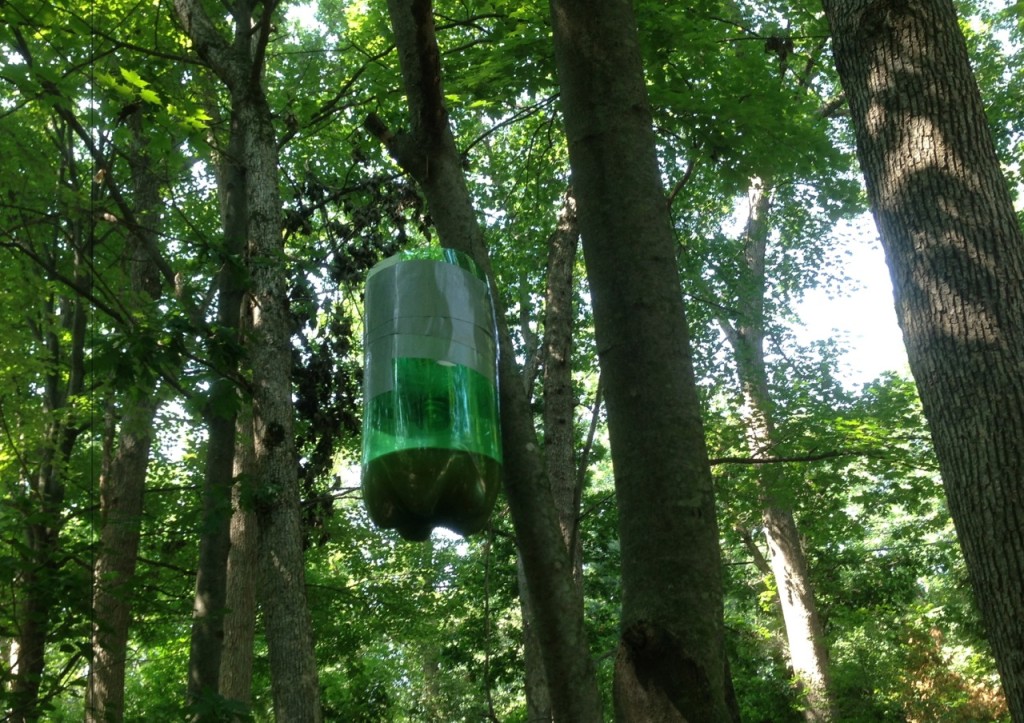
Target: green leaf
{"type": "Point", "coordinates": [134, 78]}
{"type": "Point", "coordinates": [149, 96]}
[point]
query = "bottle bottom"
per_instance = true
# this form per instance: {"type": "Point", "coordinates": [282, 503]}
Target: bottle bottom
{"type": "Point", "coordinates": [415, 490]}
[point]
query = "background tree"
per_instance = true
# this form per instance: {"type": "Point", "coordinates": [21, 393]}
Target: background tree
{"type": "Point", "coordinates": [670, 663]}
{"type": "Point", "coordinates": [122, 485]}
{"type": "Point", "coordinates": [224, 350]}
{"type": "Point", "coordinates": [955, 249]}
{"type": "Point", "coordinates": [239, 64]}
{"type": "Point", "coordinates": [61, 247]}
{"type": "Point", "coordinates": [807, 648]}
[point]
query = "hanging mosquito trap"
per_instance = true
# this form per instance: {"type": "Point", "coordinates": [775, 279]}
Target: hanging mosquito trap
{"type": "Point", "coordinates": [431, 442]}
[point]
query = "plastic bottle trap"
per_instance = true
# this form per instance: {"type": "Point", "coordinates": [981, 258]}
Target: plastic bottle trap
{"type": "Point", "coordinates": [431, 440]}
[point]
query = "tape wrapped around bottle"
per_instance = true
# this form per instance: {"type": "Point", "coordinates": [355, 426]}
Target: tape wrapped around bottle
{"type": "Point", "coordinates": [431, 439]}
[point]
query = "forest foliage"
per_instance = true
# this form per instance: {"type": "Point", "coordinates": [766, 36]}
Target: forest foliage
{"type": "Point", "coordinates": [739, 90]}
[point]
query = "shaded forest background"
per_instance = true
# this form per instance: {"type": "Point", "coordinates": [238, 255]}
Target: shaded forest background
{"type": "Point", "coordinates": [134, 500]}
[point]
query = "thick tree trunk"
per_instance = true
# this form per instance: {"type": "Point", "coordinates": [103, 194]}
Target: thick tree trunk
{"type": "Point", "coordinates": [807, 650]}
{"type": "Point", "coordinates": [429, 155]}
{"type": "Point", "coordinates": [671, 662]}
{"type": "Point", "coordinates": [956, 254]}
{"type": "Point", "coordinates": [287, 623]}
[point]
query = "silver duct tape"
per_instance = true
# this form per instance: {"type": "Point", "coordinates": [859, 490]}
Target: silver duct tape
{"type": "Point", "coordinates": [456, 330]}
{"type": "Point", "coordinates": [423, 288]}
{"type": "Point", "coordinates": [425, 309]}
{"type": "Point", "coordinates": [381, 353]}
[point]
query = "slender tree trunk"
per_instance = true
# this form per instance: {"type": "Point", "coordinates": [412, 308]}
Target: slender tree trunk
{"type": "Point", "coordinates": [807, 650]}
{"type": "Point", "coordinates": [671, 662]}
{"type": "Point", "coordinates": [121, 490]}
{"type": "Point", "coordinates": [287, 623]}
{"type": "Point", "coordinates": [36, 602]}
{"type": "Point", "coordinates": [428, 153]}
{"type": "Point", "coordinates": [559, 413]}
{"type": "Point", "coordinates": [36, 593]}
{"type": "Point", "coordinates": [956, 254]}
{"type": "Point", "coordinates": [121, 496]}
{"type": "Point", "coordinates": [208, 609]}
{"type": "Point", "coordinates": [209, 606]}
{"type": "Point", "coordinates": [242, 574]}
{"type": "Point", "coordinates": [432, 700]}
{"type": "Point", "coordinates": [559, 417]}
{"type": "Point", "coordinates": [805, 636]}
{"type": "Point", "coordinates": [535, 681]}
{"type": "Point", "coordinates": [35, 605]}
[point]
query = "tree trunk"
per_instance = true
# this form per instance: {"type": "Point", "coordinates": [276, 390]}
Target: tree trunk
{"type": "Point", "coordinates": [37, 599]}
{"type": "Point", "coordinates": [671, 662]}
{"type": "Point", "coordinates": [428, 153]}
{"type": "Point", "coordinates": [956, 254]}
{"type": "Point", "coordinates": [535, 681]}
{"type": "Point", "coordinates": [559, 417]}
{"type": "Point", "coordinates": [559, 413]}
{"type": "Point", "coordinates": [287, 623]}
{"type": "Point", "coordinates": [35, 605]}
{"type": "Point", "coordinates": [121, 498]}
{"type": "Point", "coordinates": [37, 585]}
{"type": "Point", "coordinates": [208, 609]}
{"type": "Point", "coordinates": [805, 636]}
{"type": "Point", "coordinates": [242, 574]}
{"type": "Point", "coordinates": [121, 490]}
{"type": "Point", "coordinates": [807, 650]}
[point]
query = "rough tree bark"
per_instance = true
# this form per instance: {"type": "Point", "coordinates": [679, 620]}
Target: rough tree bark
{"type": "Point", "coordinates": [956, 255]}
{"type": "Point", "coordinates": [559, 417]}
{"type": "Point", "coordinates": [559, 414]}
{"type": "Point", "coordinates": [287, 624]}
{"type": "Point", "coordinates": [428, 153]}
{"type": "Point", "coordinates": [807, 650]}
{"type": "Point", "coordinates": [671, 663]}
{"type": "Point", "coordinates": [121, 491]}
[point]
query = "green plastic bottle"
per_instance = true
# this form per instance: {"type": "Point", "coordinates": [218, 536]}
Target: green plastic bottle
{"type": "Point", "coordinates": [431, 440]}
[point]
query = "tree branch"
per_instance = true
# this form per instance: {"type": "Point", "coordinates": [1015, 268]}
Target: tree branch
{"type": "Point", "coordinates": [811, 457]}
{"type": "Point", "coordinates": [209, 44]}
{"type": "Point", "coordinates": [758, 560]}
